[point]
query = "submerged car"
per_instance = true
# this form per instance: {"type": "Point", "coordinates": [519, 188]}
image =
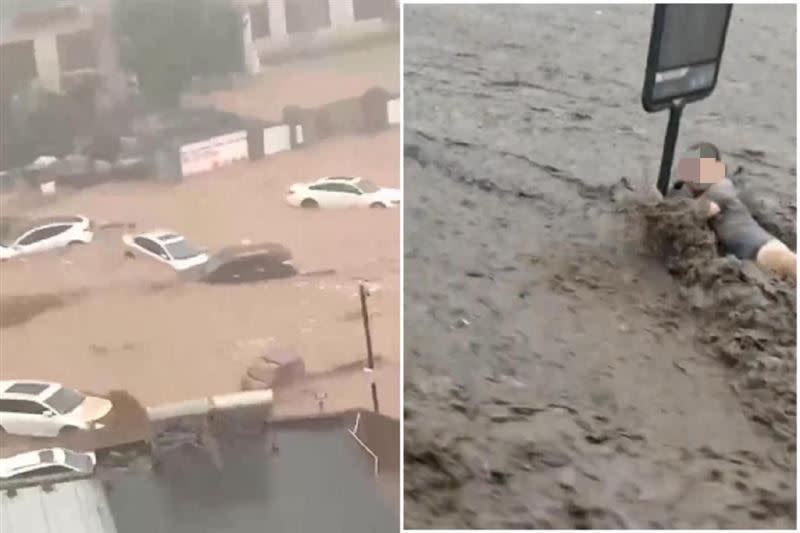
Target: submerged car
{"type": "Point", "coordinates": [47, 461]}
{"type": "Point", "coordinates": [45, 409]}
{"type": "Point", "coordinates": [167, 247]}
{"type": "Point", "coordinates": [249, 263]}
{"type": "Point", "coordinates": [23, 237]}
{"type": "Point", "coordinates": [342, 192]}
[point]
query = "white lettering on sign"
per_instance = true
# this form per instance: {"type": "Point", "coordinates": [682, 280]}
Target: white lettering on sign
{"type": "Point", "coordinates": [215, 152]}
{"type": "Point", "coordinates": [669, 75]}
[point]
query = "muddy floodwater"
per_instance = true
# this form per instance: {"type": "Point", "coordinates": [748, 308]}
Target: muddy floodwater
{"type": "Point", "coordinates": [577, 354]}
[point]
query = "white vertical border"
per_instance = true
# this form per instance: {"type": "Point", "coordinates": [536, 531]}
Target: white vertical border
{"type": "Point", "coordinates": [402, 269]}
{"type": "Point", "coordinates": [797, 198]}
{"type": "Point", "coordinates": [402, 214]}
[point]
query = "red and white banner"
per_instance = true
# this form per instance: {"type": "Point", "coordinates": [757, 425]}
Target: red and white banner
{"type": "Point", "coordinates": [213, 153]}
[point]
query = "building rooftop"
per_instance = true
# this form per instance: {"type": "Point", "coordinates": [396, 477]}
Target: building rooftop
{"type": "Point", "coordinates": [74, 506]}
{"type": "Point", "coordinates": [233, 471]}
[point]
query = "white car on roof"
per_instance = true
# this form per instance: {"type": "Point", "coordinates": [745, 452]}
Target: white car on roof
{"type": "Point", "coordinates": [168, 247]}
{"type": "Point", "coordinates": [342, 192]}
{"type": "Point", "coordinates": [21, 237]}
{"type": "Point", "coordinates": [45, 409]}
{"type": "Point", "coordinates": [46, 462]}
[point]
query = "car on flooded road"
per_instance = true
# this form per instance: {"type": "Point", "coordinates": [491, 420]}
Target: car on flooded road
{"type": "Point", "coordinates": [249, 264]}
{"type": "Point", "coordinates": [342, 192]}
{"type": "Point", "coordinates": [167, 247]}
{"type": "Point", "coordinates": [23, 237]}
{"type": "Point", "coordinates": [48, 461]}
{"type": "Point", "coordinates": [45, 409]}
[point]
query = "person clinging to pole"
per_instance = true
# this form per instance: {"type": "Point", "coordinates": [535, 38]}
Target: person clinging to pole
{"type": "Point", "coordinates": [702, 172]}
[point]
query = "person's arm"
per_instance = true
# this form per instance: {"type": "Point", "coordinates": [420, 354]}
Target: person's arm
{"type": "Point", "coordinates": [706, 207]}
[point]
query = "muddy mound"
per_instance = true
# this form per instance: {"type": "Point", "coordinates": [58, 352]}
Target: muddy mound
{"type": "Point", "coordinates": [19, 309]}
{"type": "Point", "coordinates": [603, 476]}
{"type": "Point", "coordinates": [748, 317]}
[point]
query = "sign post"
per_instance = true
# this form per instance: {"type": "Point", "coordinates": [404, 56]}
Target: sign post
{"type": "Point", "coordinates": [686, 45]}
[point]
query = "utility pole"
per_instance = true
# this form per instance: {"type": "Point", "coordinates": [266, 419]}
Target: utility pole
{"type": "Point", "coordinates": [370, 359]}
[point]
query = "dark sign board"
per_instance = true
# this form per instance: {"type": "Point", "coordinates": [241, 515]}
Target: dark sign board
{"type": "Point", "coordinates": [686, 45]}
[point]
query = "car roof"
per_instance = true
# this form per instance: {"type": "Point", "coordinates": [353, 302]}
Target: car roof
{"type": "Point", "coordinates": [26, 389]}
{"type": "Point", "coordinates": [12, 228]}
{"type": "Point", "coordinates": [163, 236]}
{"type": "Point", "coordinates": [34, 457]}
{"type": "Point", "coordinates": [345, 179]}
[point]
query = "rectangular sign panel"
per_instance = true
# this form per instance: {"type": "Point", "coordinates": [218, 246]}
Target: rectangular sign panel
{"type": "Point", "coordinates": [686, 46]}
{"type": "Point", "coordinates": [215, 152]}
{"type": "Point", "coordinates": [277, 139]}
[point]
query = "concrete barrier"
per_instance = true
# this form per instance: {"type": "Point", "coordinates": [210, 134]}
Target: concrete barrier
{"type": "Point", "coordinates": [204, 406]}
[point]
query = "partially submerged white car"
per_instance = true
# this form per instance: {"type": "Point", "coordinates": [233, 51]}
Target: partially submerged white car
{"type": "Point", "coordinates": [45, 409]}
{"type": "Point", "coordinates": [168, 247]}
{"type": "Point", "coordinates": [342, 192]}
{"type": "Point", "coordinates": [47, 462]}
{"type": "Point", "coordinates": [19, 237]}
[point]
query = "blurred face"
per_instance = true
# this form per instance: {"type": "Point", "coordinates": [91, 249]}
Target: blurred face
{"type": "Point", "coordinates": [700, 173]}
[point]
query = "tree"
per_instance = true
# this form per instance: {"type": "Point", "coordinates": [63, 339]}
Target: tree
{"type": "Point", "coordinates": [168, 42]}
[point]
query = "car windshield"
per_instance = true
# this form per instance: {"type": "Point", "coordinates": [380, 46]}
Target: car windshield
{"type": "Point", "coordinates": [368, 186]}
{"type": "Point", "coordinates": [79, 461]}
{"type": "Point", "coordinates": [65, 401]}
{"type": "Point", "coordinates": [181, 249]}
{"type": "Point", "coordinates": [47, 456]}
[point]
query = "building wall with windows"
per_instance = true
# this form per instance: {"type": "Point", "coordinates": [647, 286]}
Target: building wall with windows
{"type": "Point", "coordinates": [273, 27]}
{"type": "Point", "coordinates": [56, 43]}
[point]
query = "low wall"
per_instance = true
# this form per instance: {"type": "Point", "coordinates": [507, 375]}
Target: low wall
{"type": "Point", "coordinates": [374, 111]}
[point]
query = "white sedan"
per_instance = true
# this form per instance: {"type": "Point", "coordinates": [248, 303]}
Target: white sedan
{"type": "Point", "coordinates": [44, 409]}
{"type": "Point", "coordinates": [22, 237]}
{"type": "Point", "coordinates": [168, 247]}
{"type": "Point", "coordinates": [47, 461]}
{"type": "Point", "coordinates": [342, 192]}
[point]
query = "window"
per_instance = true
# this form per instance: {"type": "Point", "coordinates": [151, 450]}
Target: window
{"type": "Point", "coordinates": [17, 64]}
{"type": "Point", "coordinates": [76, 51]}
{"type": "Point", "coordinates": [51, 470]}
{"type": "Point", "coordinates": [374, 9]}
{"type": "Point", "coordinates": [335, 187]}
{"type": "Point", "coordinates": [150, 246]}
{"type": "Point", "coordinates": [42, 234]}
{"type": "Point", "coordinates": [65, 400]}
{"type": "Point", "coordinates": [27, 388]}
{"type": "Point", "coordinates": [22, 407]}
{"type": "Point", "coordinates": [348, 189]}
{"type": "Point", "coordinates": [259, 20]}
{"type": "Point", "coordinates": [307, 15]}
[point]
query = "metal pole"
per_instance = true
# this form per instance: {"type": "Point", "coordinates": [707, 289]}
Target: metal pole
{"type": "Point", "coordinates": [370, 360]}
{"type": "Point", "coordinates": [670, 139]}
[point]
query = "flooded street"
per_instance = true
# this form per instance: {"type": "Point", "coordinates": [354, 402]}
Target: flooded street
{"type": "Point", "coordinates": [565, 368]}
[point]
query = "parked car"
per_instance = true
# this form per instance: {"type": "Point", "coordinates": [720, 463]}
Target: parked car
{"type": "Point", "coordinates": [44, 409]}
{"type": "Point", "coordinates": [22, 237]}
{"type": "Point", "coordinates": [47, 461]}
{"type": "Point", "coordinates": [342, 192]}
{"type": "Point", "coordinates": [168, 247]}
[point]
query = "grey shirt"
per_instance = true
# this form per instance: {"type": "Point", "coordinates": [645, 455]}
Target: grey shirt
{"type": "Point", "coordinates": [735, 227]}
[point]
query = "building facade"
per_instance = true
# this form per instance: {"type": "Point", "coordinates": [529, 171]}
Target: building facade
{"type": "Point", "coordinates": [273, 28]}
